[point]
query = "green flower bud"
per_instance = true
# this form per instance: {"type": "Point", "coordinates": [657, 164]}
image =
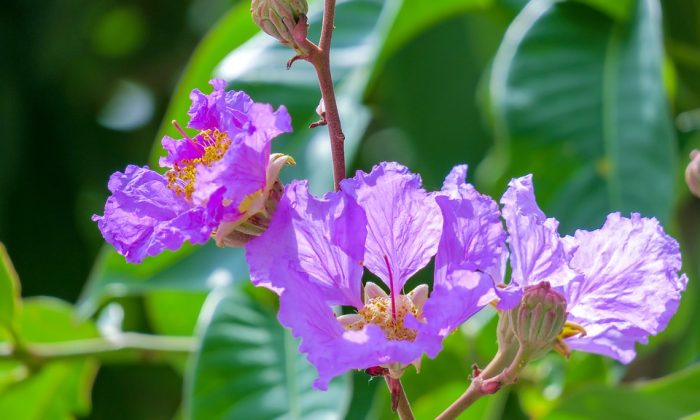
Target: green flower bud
{"type": "Point", "coordinates": [280, 19]}
{"type": "Point", "coordinates": [538, 319]}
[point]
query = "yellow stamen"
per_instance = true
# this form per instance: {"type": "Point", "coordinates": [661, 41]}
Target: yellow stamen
{"type": "Point", "coordinates": [181, 178]}
{"type": "Point", "coordinates": [378, 311]}
{"type": "Point", "coordinates": [570, 329]}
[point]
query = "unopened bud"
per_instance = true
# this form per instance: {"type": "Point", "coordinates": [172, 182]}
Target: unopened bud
{"type": "Point", "coordinates": [284, 20]}
{"type": "Point", "coordinates": [504, 332]}
{"type": "Point", "coordinates": [538, 319]}
{"type": "Point", "coordinates": [692, 173]}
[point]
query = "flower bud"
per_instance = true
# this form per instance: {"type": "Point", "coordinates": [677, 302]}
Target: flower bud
{"type": "Point", "coordinates": [692, 173]}
{"type": "Point", "coordinates": [280, 19]}
{"type": "Point", "coordinates": [538, 319]}
{"type": "Point", "coordinates": [504, 332]}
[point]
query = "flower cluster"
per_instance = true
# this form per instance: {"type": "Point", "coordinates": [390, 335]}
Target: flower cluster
{"type": "Point", "coordinates": [600, 291]}
{"type": "Point", "coordinates": [619, 284]}
{"type": "Point", "coordinates": [217, 180]}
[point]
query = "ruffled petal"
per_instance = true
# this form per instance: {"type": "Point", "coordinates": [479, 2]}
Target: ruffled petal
{"type": "Point", "coordinates": [404, 222]}
{"type": "Point", "coordinates": [472, 235]}
{"type": "Point", "coordinates": [179, 150]}
{"type": "Point", "coordinates": [471, 246]}
{"type": "Point", "coordinates": [143, 216]}
{"type": "Point", "coordinates": [537, 253]}
{"type": "Point", "coordinates": [461, 294]}
{"type": "Point", "coordinates": [331, 349]}
{"type": "Point", "coordinates": [630, 287]}
{"type": "Point", "coordinates": [241, 173]}
{"type": "Point", "coordinates": [268, 123]}
{"type": "Point", "coordinates": [220, 109]}
{"type": "Point", "coordinates": [321, 240]}
{"type": "Point", "coordinates": [243, 170]}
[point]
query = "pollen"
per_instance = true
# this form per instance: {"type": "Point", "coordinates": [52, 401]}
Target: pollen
{"type": "Point", "coordinates": [181, 178]}
{"type": "Point", "coordinates": [377, 311]}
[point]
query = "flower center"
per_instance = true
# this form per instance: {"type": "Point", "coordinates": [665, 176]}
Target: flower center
{"type": "Point", "coordinates": [378, 311]}
{"type": "Point", "coordinates": [214, 144]}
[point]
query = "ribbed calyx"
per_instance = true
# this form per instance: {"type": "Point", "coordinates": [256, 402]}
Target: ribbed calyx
{"type": "Point", "coordinates": [280, 19]}
{"type": "Point", "coordinates": [538, 319]}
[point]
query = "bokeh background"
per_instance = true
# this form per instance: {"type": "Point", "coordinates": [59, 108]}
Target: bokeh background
{"type": "Point", "coordinates": [601, 102]}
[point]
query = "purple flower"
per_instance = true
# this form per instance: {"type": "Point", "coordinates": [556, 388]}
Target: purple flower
{"type": "Point", "coordinates": [621, 282]}
{"type": "Point", "coordinates": [218, 179]}
{"type": "Point", "coordinates": [314, 251]}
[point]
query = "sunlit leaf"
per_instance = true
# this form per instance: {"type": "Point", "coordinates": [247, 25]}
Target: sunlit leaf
{"type": "Point", "coordinates": [671, 397]}
{"type": "Point", "coordinates": [60, 389]}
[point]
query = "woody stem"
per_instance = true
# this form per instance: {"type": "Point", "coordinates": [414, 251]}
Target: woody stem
{"type": "Point", "coordinates": [320, 58]}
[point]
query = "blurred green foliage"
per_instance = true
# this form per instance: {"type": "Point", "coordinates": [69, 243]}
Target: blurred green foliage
{"type": "Point", "coordinates": [599, 100]}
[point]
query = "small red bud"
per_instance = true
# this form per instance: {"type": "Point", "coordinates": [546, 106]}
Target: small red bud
{"type": "Point", "coordinates": [376, 371]}
{"type": "Point", "coordinates": [490, 387]}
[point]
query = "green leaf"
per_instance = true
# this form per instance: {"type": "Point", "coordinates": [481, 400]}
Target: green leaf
{"type": "Point", "coordinates": [618, 9]}
{"type": "Point", "coordinates": [257, 65]}
{"type": "Point", "coordinates": [192, 268]}
{"type": "Point", "coordinates": [578, 98]}
{"type": "Point", "coordinates": [59, 390]}
{"type": "Point", "coordinates": [248, 366]}
{"type": "Point", "coordinates": [670, 397]}
{"type": "Point", "coordinates": [415, 16]}
{"type": "Point", "coordinates": [9, 289]}
{"type": "Point", "coordinates": [181, 322]}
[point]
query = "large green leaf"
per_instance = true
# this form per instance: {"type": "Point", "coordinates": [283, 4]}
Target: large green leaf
{"type": "Point", "coordinates": [578, 99]}
{"type": "Point", "coordinates": [257, 64]}
{"type": "Point", "coordinates": [9, 289]}
{"type": "Point", "coordinates": [58, 390]}
{"type": "Point", "coordinates": [415, 16]}
{"type": "Point", "coordinates": [192, 268]}
{"type": "Point", "coordinates": [671, 397]}
{"type": "Point", "coordinates": [248, 366]}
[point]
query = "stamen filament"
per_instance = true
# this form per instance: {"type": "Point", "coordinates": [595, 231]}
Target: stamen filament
{"type": "Point", "coordinates": [181, 131]}
{"type": "Point", "coordinates": [391, 289]}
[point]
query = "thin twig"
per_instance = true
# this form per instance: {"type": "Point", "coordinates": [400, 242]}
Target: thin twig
{"type": "Point", "coordinates": [488, 381]}
{"type": "Point", "coordinates": [125, 346]}
{"type": "Point", "coordinates": [320, 58]}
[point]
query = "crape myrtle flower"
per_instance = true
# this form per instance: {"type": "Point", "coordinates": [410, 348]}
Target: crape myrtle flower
{"type": "Point", "coordinates": [620, 282]}
{"type": "Point", "coordinates": [314, 253]}
{"type": "Point", "coordinates": [218, 180]}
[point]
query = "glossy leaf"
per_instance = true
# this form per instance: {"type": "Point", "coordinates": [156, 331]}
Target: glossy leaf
{"type": "Point", "coordinates": [9, 289]}
{"type": "Point", "coordinates": [416, 16]}
{"type": "Point", "coordinates": [671, 397]}
{"type": "Point", "coordinates": [248, 366]}
{"type": "Point", "coordinates": [578, 98]}
{"type": "Point", "coordinates": [59, 389]}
